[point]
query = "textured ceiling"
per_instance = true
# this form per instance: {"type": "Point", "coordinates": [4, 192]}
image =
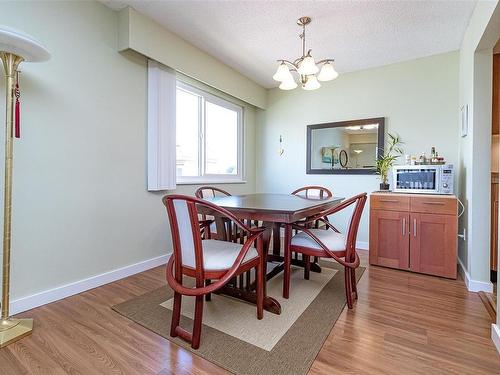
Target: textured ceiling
{"type": "Point", "coordinates": [251, 35]}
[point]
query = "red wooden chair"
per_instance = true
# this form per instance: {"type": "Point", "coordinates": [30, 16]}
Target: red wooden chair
{"type": "Point", "coordinates": [209, 192]}
{"type": "Point", "coordinates": [232, 231]}
{"type": "Point", "coordinates": [309, 192]}
{"type": "Point", "coordinates": [328, 243]}
{"type": "Point", "coordinates": [313, 192]}
{"type": "Point", "coordinates": [206, 259]}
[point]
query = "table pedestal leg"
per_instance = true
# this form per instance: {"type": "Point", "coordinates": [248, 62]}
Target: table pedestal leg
{"type": "Point", "coordinates": [288, 260]}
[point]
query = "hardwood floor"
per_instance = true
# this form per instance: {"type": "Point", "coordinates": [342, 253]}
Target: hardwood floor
{"type": "Point", "coordinates": [403, 323]}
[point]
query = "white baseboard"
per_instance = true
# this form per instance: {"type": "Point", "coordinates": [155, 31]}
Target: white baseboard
{"type": "Point", "coordinates": [474, 285]}
{"type": "Point", "coordinates": [362, 245]}
{"type": "Point", "coordinates": [495, 336]}
{"type": "Point", "coordinates": [63, 291]}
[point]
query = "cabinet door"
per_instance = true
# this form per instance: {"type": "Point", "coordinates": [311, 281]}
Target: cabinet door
{"type": "Point", "coordinates": [433, 244]}
{"type": "Point", "coordinates": [389, 242]}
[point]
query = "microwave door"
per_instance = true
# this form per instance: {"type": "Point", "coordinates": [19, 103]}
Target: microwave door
{"type": "Point", "coordinates": [427, 180]}
{"type": "Point", "coordinates": [418, 180]}
{"type": "Point", "coordinates": [433, 180]}
{"type": "Point", "coordinates": [400, 179]}
{"type": "Point", "coordinates": [403, 179]}
{"type": "Point", "coordinates": [423, 179]}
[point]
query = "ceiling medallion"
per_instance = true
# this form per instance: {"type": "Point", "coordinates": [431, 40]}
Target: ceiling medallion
{"type": "Point", "coordinates": [305, 67]}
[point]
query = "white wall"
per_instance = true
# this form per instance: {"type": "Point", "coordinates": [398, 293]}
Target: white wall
{"type": "Point", "coordinates": [80, 205]}
{"type": "Point", "coordinates": [475, 149]}
{"type": "Point", "coordinates": [141, 34]}
{"type": "Point", "coordinates": [418, 98]}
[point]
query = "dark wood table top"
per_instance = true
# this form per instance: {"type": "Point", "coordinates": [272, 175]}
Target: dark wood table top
{"type": "Point", "coordinates": [283, 208]}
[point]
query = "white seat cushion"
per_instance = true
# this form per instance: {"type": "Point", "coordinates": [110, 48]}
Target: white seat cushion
{"type": "Point", "coordinates": [220, 255]}
{"type": "Point", "coordinates": [333, 240]}
{"type": "Point", "coordinates": [213, 228]}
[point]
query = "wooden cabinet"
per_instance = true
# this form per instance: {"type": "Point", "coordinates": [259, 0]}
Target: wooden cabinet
{"type": "Point", "coordinates": [433, 244]}
{"type": "Point", "coordinates": [414, 232]}
{"type": "Point", "coordinates": [389, 244]}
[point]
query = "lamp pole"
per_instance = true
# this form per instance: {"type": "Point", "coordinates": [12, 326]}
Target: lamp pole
{"type": "Point", "coordinates": [11, 329]}
{"type": "Point", "coordinates": [15, 47]}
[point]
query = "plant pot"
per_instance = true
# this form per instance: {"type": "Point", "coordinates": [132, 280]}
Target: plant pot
{"type": "Point", "coordinates": [384, 186]}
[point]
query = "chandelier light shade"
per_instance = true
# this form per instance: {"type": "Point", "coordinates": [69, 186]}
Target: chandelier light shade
{"type": "Point", "coordinates": [305, 67]}
{"type": "Point", "coordinates": [311, 83]}
{"type": "Point", "coordinates": [327, 72]}
{"type": "Point", "coordinates": [283, 73]}
{"type": "Point", "coordinates": [288, 84]}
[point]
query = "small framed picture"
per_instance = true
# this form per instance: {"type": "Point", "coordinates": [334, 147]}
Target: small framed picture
{"type": "Point", "coordinates": [465, 120]}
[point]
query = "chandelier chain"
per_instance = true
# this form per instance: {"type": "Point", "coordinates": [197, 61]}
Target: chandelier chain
{"type": "Point", "coordinates": [303, 37]}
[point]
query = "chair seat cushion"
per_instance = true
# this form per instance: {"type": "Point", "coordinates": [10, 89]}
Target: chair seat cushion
{"type": "Point", "coordinates": [213, 228]}
{"type": "Point", "coordinates": [220, 255]}
{"type": "Point", "coordinates": [333, 240]}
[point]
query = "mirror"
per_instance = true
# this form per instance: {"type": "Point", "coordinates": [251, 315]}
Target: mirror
{"type": "Point", "coordinates": [346, 147]}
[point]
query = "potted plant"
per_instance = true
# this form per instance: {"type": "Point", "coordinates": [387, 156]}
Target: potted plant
{"type": "Point", "coordinates": [387, 158]}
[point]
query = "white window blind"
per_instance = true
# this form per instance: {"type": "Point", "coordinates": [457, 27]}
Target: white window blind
{"type": "Point", "coordinates": [161, 127]}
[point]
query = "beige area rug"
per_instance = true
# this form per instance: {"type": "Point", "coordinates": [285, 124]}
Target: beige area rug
{"type": "Point", "coordinates": [234, 339]}
{"type": "Point", "coordinates": [238, 319]}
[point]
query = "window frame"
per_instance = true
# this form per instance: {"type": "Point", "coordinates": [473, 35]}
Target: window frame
{"type": "Point", "coordinates": [204, 178]}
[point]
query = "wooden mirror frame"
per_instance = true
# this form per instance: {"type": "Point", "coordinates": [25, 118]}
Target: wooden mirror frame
{"type": "Point", "coordinates": [380, 121]}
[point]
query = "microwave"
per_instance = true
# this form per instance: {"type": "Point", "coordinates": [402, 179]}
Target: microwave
{"type": "Point", "coordinates": [424, 179]}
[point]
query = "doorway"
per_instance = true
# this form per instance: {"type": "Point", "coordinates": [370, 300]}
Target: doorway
{"type": "Point", "coordinates": [490, 299]}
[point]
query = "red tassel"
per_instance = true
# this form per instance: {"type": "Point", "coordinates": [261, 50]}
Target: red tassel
{"type": "Point", "coordinates": [17, 129]}
{"type": "Point", "coordinates": [17, 121]}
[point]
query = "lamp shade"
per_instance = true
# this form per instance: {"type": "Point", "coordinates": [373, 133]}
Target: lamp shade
{"type": "Point", "coordinates": [282, 73]}
{"type": "Point", "coordinates": [311, 83]}
{"type": "Point", "coordinates": [21, 44]}
{"type": "Point", "coordinates": [289, 84]}
{"type": "Point", "coordinates": [308, 66]}
{"type": "Point", "coordinates": [327, 72]}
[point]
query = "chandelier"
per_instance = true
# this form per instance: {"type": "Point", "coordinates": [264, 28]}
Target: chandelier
{"type": "Point", "coordinates": [305, 67]}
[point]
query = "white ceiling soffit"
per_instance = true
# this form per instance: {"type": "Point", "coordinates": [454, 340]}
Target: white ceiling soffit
{"type": "Point", "coordinates": [250, 36]}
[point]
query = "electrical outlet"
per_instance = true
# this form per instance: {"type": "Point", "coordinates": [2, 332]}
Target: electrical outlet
{"type": "Point", "coordinates": [464, 235]}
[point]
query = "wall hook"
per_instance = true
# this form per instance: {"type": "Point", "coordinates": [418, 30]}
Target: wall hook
{"type": "Point", "coordinates": [281, 149]}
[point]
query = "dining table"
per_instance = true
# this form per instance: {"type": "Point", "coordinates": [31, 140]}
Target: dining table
{"type": "Point", "coordinates": [272, 212]}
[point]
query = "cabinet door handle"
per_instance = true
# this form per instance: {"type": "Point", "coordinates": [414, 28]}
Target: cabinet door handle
{"type": "Point", "coordinates": [404, 226]}
{"type": "Point", "coordinates": [414, 227]}
{"type": "Point", "coordinates": [435, 203]}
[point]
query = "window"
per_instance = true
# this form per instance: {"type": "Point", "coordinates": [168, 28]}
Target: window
{"type": "Point", "coordinates": [209, 140]}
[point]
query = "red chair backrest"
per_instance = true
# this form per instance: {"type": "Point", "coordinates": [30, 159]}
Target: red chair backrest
{"type": "Point", "coordinates": [184, 225]}
{"type": "Point", "coordinates": [209, 192]}
{"type": "Point", "coordinates": [313, 191]}
{"type": "Point", "coordinates": [183, 216]}
{"type": "Point", "coordinates": [352, 232]}
{"type": "Point", "coordinates": [186, 236]}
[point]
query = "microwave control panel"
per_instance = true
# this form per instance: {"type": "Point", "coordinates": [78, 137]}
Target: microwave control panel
{"type": "Point", "coordinates": [447, 179]}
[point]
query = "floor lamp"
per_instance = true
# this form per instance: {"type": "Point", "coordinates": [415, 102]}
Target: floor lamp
{"type": "Point", "coordinates": [15, 47]}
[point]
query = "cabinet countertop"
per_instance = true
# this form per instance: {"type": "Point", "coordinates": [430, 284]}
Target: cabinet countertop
{"type": "Point", "coordinates": [416, 195]}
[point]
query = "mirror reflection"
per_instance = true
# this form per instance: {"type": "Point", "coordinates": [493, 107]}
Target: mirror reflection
{"type": "Point", "coordinates": [345, 146]}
